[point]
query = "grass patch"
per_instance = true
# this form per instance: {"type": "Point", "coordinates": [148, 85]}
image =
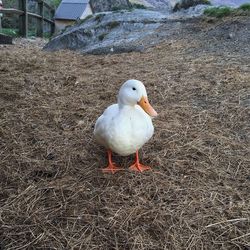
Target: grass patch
{"type": "Point", "coordinates": [85, 19]}
{"type": "Point", "coordinates": [88, 33]}
{"type": "Point", "coordinates": [47, 35]}
{"type": "Point", "coordinates": [65, 29]}
{"type": "Point", "coordinates": [187, 4]}
{"type": "Point", "coordinates": [99, 17]}
{"type": "Point", "coordinates": [218, 12]}
{"type": "Point", "coordinates": [118, 8]}
{"type": "Point", "coordinates": [138, 6]}
{"type": "Point", "coordinates": [113, 24]}
{"type": "Point", "coordinates": [102, 36]}
{"type": "Point", "coordinates": [32, 33]}
{"type": "Point", "coordinates": [223, 11]}
{"type": "Point", "coordinates": [206, 2]}
{"type": "Point", "coordinates": [10, 32]}
{"type": "Point", "coordinates": [245, 7]}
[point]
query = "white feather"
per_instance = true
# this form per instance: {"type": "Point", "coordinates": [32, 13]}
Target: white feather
{"type": "Point", "coordinates": [125, 127]}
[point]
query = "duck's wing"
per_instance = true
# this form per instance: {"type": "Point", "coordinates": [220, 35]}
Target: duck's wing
{"type": "Point", "coordinates": [102, 124]}
{"type": "Point", "coordinates": [112, 110]}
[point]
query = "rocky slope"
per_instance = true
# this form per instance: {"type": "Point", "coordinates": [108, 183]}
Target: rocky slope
{"type": "Point", "coordinates": [176, 5]}
{"type": "Point", "coordinates": [164, 4]}
{"type": "Point", "coordinates": [107, 5]}
{"type": "Point", "coordinates": [126, 30]}
{"type": "Point", "coordinates": [112, 32]}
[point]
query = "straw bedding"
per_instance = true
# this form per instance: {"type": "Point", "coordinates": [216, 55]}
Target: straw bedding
{"type": "Point", "coordinates": [52, 192]}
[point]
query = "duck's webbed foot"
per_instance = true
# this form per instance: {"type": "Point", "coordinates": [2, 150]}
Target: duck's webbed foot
{"type": "Point", "coordinates": [137, 166]}
{"type": "Point", "coordinates": [112, 167]}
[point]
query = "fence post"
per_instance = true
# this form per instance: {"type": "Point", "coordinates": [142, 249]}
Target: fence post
{"type": "Point", "coordinates": [23, 19]}
{"type": "Point", "coordinates": [40, 22]}
{"type": "Point", "coordinates": [1, 6]}
{"type": "Point", "coordinates": [52, 25]}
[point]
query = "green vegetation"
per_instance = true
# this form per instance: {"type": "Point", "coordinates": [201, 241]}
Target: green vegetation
{"type": "Point", "coordinates": [245, 7]}
{"type": "Point", "coordinates": [113, 24]}
{"type": "Point", "coordinates": [223, 11]}
{"type": "Point", "coordinates": [10, 23]}
{"type": "Point", "coordinates": [10, 32]}
{"type": "Point", "coordinates": [65, 29]}
{"type": "Point", "coordinates": [15, 33]}
{"type": "Point", "coordinates": [99, 17]}
{"type": "Point", "coordinates": [54, 2]}
{"type": "Point", "coordinates": [206, 2]}
{"type": "Point", "coordinates": [187, 4]}
{"type": "Point", "coordinates": [85, 19]}
{"type": "Point", "coordinates": [218, 12]}
{"type": "Point", "coordinates": [88, 33]}
{"type": "Point", "coordinates": [32, 32]}
{"type": "Point", "coordinates": [10, 3]}
{"type": "Point", "coordinates": [102, 36]}
{"type": "Point", "coordinates": [117, 8]}
{"type": "Point", "coordinates": [47, 35]}
{"type": "Point", "coordinates": [138, 6]}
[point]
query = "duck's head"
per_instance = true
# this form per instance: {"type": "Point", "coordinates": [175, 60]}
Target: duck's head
{"type": "Point", "coordinates": [133, 92]}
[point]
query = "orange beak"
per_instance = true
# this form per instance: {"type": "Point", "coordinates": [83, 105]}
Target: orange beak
{"type": "Point", "coordinates": [144, 103]}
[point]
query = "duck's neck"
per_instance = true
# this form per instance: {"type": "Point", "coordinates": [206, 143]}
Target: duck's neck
{"type": "Point", "coordinates": [126, 107]}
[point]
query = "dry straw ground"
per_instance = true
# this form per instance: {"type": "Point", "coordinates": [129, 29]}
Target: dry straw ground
{"type": "Point", "coordinates": [52, 192]}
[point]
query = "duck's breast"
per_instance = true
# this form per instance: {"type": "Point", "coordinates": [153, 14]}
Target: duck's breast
{"type": "Point", "coordinates": [131, 130]}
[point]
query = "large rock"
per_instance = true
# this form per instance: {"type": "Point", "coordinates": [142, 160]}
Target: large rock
{"type": "Point", "coordinates": [112, 32]}
{"type": "Point", "coordinates": [108, 5]}
{"type": "Point", "coordinates": [158, 4]}
{"type": "Point", "coordinates": [176, 5]}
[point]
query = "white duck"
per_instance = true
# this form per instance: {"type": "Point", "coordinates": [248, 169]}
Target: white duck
{"type": "Point", "coordinates": [124, 127]}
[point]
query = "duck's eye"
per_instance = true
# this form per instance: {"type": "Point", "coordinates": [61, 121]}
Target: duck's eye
{"type": "Point", "coordinates": [134, 88]}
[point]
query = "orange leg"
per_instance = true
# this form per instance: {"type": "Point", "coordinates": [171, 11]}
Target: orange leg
{"type": "Point", "coordinates": [112, 167]}
{"type": "Point", "coordinates": [137, 166]}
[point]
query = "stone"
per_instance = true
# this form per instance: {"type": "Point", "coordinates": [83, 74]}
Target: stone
{"type": "Point", "coordinates": [176, 5]}
{"type": "Point", "coordinates": [112, 32]}
{"type": "Point", "coordinates": [109, 5]}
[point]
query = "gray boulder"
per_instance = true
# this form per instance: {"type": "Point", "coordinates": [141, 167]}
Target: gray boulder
{"type": "Point", "coordinates": [157, 4]}
{"type": "Point", "coordinates": [176, 5]}
{"type": "Point", "coordinates": [112, 32]}
{"type": "Point", "coordinates": [109, 5]}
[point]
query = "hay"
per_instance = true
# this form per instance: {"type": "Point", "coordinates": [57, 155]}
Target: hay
{"type": "Point", "coordinates": [52, 193]}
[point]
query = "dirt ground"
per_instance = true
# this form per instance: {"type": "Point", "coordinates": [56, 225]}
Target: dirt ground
{"type": "Point", "coordinates": [52, 192]}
